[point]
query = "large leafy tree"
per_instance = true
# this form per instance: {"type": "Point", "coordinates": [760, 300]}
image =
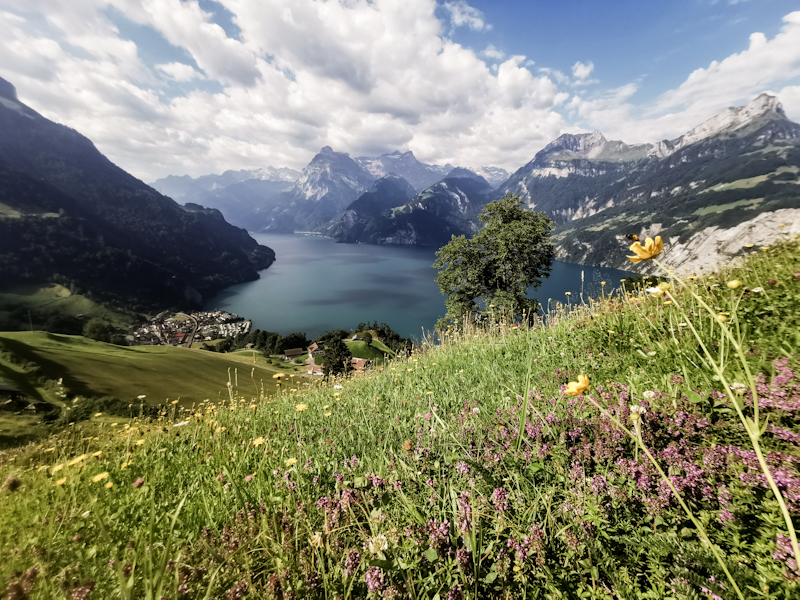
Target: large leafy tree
{"type": "Point", "coordinates": [511, 253]}
{"type": "Point", "coordinates": [336, 358]}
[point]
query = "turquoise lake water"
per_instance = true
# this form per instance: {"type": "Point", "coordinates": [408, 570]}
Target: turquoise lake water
{"type": "Point", "coordinates": [316, 285]}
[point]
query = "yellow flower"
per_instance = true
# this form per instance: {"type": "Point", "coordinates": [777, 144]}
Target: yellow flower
{"type": "Point", "coordinates": [577, 388]}
{"type": "Point", "coordinates": [100, 477]}
{"type": "Point", "coordinates": [77, 459]}
{"type": "Point", "coordinates": [277, 375]}
{"type": "Point", "coordinates": [109, 485]}
{"type": "Point", "coordinates": [61, 481]}
{"type": "Point", "coordinates": [749, 245]}
{"type": "Point", "coordinates": [98, 414]}
{"type": "Point", "coordinates": [50, 450]}
{"type": "Point", "coordinates": [651, 249]}
{"type": "Point", "coordinates": [327, 414]}
{"type": "Point", "coordinates": [291, 461]}
{"type": "Point", "coordinates": [602, 283]}
{"type": "Point", "coordinates": [517, 568]}
{"type": "Point", "coordinates": [258, 441]}
{"type": "Point", "coordinates": [114, 424]}
{"type": "Point", "coordinates": [300, 407]}
{"type": "Point", "coordinates": [734, 283]}
{"type": "Point", "coordinates": [139, 442]}
{"type": "Point", "coordinates": [722, 318]}
{"type": "Point", "coordinates": [664, 286]}
{"type": "Point", "coordinates": [56, 469]}
{"type": "Point", "coordinates": [98, 453]}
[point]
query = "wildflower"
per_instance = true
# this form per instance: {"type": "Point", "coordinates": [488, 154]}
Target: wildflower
{"type": "Point", "coordinates": [338, 387]}
{"type": "Point", "coordinates": [142, 397]}
{"type": "Point", "coordinates": [649, 394]}
{"type": "Point", "coordinates": [664, 286]}
{"type": "Point", "coordinates": [739, 388]}
{"type": "Point", "coordinates": [100, 477]}
{"type": "Point", "coordinates": [316, 540]}
{"type": "Point", "coordinates": [258, 441]}
{"type": "Point", "coordinates": [290, 462]}
{"type": "Point", "coordinates": [98, 414]}
{"type": "Point", "coordinates": [476, 410]}
{"type": "Point", "coordinates": [734, 283]}
{"type": "Point", "coordinates": [77, 459]}
{"type": "Point", "coordinates": [181, 424]}
{"type": "Point", "coordinates": [651, 249]}
{"type": "Point", "coordinates": [109, 485]}
{"type": "Point", "coordinates": [758, 290]}
{"type": "Point", "coordinates": [407, 445]}
{"type": "Point", "coordinates": [378, 544]}
{"type": "Point", "coordinates": [568, 293]}
{"type": "Point", "coordinates": [636, 416]}
{"type": "Point", "coordinates": [61, 481]}
{"type": "Point", "coordinates": [328, 414]}
{"type": "Point", "coordinates": [577, 388]}
{"type": "Point", "coordinates": [277, 375]}
{"type": "Point", "coordinates": [301, 407]}
{"type": "Point", "coordinates": [656, 292]}
{"type": "Point", "coordinates": [602, 283]}
{"type": "Point", "coordinates": [248, 478]}
{"type": "Point", "coordinates": [325, 407]}
{"type": "Point", "coordinates": [139, 442]}
{"type": "Point", "coordinates": [722, 318]}
{"type": "Point", "coordinates": [138, 483]}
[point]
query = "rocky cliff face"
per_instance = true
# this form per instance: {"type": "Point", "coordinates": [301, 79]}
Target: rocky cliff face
{"type": "Point", "coordinates": [405, 165]}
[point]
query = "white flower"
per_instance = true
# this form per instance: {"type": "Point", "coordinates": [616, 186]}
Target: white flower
{"type": "Point", "coordinates": [637, 412]}
{"type": "Point", "coordinates": [758, 290]}
{"type": "Point", "coordinates": [316, 540]}
{"type": "Point", "coordinates": [181, 424]}
{"type": "Point", "coordinates": [739, 388]}
{"type": "Point", "coordinates": [476, 410]}
{"type": "Point", "coordinates": [649, 394]}
{"type": "Point", "coordinates": [656, 292]}
{"type": "Point", "coordinates": [378, 544]}
{"type": "Point", "coordinates": [338, 387]}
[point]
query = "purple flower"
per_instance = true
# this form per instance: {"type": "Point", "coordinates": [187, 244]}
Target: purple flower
{"type": "Point", "coordinates": [500, 499]}
{"type": "Point", "coordinates": [351, 562]}
{"type": "Point", "coordinates": [462, 467]}
{"type": "Point", "coordinates": [374, 578]}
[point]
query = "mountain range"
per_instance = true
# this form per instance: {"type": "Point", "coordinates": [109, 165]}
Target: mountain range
{"type": "Point", "coordinates": [730, 181]}
{"type": "Point", "coordinates": [317, 196]}
{"type": "Point", "coordinates": [68, 214]}
{"type": "Point", "coordinates": [734, 177]}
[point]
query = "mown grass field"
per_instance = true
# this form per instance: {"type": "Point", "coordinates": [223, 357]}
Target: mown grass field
{"type": "Point", "coordinates": [376, 351]}
{"type": "Point", "coordinates": [466, 470]}
{"type": "Point", "coordinates": [89, 369]}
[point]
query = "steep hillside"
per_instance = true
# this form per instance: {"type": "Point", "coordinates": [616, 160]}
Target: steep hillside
{"type": "Point", "coordinates": [430, 218]}
{"type": "Point", "coordinates": [729, 181]}
{"type": "Point", "coordinates": [70, 215]}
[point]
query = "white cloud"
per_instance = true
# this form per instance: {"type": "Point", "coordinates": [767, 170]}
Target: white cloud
{"type": "Point", "coordinates": [582, 71]}
{"type": "Point", "coordinates": [179, 71]}
{"type": "Point", "coordinates": [362, 76]}
{"type": "Point", "coordinates": [732, 81]}
{"type": "Point", "coordinates": [492, 52]}
{"type": "Point", "coordinates": [462, 14]}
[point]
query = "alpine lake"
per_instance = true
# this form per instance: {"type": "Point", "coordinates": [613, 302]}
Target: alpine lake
{"type": "Point", "coordinates": [316, 285]}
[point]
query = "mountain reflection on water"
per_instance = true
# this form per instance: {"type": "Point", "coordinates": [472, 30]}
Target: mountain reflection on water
{"type": "Point", "coordinates": [316, 285]}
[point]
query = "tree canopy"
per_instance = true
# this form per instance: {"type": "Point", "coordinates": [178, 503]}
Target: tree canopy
{"type": "Point", "coordinates": [336, 358]}
{"type": "Point", "coordinates": [511, 253]}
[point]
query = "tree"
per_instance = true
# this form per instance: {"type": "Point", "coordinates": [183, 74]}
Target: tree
{"type": "Point", "coordinates": [336, 358]}
{"type": "Point", "coordinates": [367, 337]}
{"type": "Point", "coordinates": [511, 253]}
{"type": "Point", "coordinates": [99, 330]}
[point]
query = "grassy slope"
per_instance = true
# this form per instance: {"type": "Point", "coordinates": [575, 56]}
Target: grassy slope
{"type": "Point", "coordinates": [581, 543]}
{"type": "Point", "coordinates": [90, 368]}
{"type": "Point", "coordinates": [52, 299]}
{"type": "Point", "coordinates": [375, 351]}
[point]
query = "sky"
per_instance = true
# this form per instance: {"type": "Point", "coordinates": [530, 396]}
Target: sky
{"type": "Point", "coordinates": [175, 87]}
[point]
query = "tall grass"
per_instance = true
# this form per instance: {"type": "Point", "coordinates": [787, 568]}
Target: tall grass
{"type": "Point", "coordinates": [461, 471]}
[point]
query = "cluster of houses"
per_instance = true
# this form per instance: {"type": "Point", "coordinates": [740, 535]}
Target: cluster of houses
{"type": "Point", "coordinates": [171, 329]}
{"type": "Point", "coordinates": [318, 348]}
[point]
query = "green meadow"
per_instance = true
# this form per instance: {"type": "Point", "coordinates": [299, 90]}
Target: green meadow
{"type": "Point", "coordinates": [644, 446]}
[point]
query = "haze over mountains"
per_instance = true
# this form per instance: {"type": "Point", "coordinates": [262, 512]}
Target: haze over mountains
{"type": "Point", "coordinates": [733, 175]}
{"type": "Point", "coordinates": [68, 214]}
